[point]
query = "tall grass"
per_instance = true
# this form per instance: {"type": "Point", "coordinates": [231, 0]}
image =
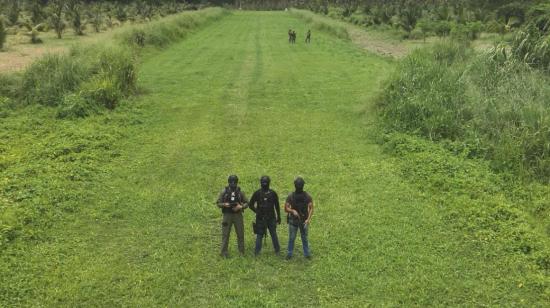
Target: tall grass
{"type": "Point", "coordinates": [170, 29]}
{"type": "Point", "coordinates": [322, 24]}
{"type": "Point", "coordinates": [99, 75]}
{"type": "Point", "coordinates": [498, 110]}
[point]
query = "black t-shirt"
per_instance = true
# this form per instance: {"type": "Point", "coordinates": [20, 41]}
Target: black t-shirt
{"type": "Point", "coordinates": [265, 204]}
{"type": "Point", "coordinates": [299, 202]}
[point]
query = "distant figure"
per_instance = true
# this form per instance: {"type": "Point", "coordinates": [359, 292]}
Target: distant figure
{"type": "Point", "coordinates": [293, 37]}
{"type": "Point", "coordinates": [308, 37]}
{"type": "Point", "coordinates": [290, 36]}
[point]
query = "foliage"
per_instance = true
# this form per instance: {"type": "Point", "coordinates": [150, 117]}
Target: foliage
{"type": "Point", "coordinates": [409, 14]}
{"type": "Point", "coordinates": [488, 210]}
{"type": "Point", "coordinates": [322, 24]}
{"type": "Point", "coordinates": [497, 106]}
{"type": "Point", "coordinates": [75, 12]}
{"type": "Point", "coordinates": [170, 29]}
{"type": "Point", "coordinates": [96, 17]}
{"type": "Point", "coordinates": [3, 33]}
{"type": "Point", "coordinates": [57, 14]}
{"type": "Point", "coordinates": [75, 106]}
{"type": "Point", "coordinates": [13, 10]}
{"type": "Point", "coordinates": [36, 11]}
{"type": "Point", "coordinates": [48, 79]}
{"type": "Point", "coordinates": [33, 31]}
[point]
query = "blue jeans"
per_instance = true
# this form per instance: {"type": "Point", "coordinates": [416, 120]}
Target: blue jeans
{"type": "Point", "coordinates": [292, 232]}
{"type": "Point", "coordinates": [271, 225]}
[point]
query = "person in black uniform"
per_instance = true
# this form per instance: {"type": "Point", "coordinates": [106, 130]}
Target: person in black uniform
{"type": "Point", "coordinates": [299, 206]}
{"type": "Point", "coordinates": [265, 203]}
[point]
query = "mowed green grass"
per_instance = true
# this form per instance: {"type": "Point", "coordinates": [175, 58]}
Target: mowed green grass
{"type": "Point", "coordinates": [237, 98]}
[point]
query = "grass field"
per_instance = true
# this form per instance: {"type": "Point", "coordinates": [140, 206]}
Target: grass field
{"type": "Point", "coordinates": [235, 97]}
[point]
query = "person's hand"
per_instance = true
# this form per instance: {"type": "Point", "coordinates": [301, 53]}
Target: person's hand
{"type": "Point", "coordinates": [295, 213]}
{"type": "Point", "coordinates": [226, 205]}
{"type": "Point", "coordinates": [237, 208]}
{"type": "Point", "coordinates": [306, 222]}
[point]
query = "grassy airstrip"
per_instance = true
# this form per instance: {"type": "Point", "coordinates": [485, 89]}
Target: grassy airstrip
{"type": "Point", "coordinates": [235, 97]}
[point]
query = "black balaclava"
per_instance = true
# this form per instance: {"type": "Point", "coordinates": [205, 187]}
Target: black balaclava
{"type": "Point", "coordinates": [299, 184]}
{"type": "Point", "coordinates": [233, 180]}
{"type": "Point", "coordinates": [264, 182]}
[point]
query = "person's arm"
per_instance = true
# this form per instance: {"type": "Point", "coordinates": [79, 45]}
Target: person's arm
{"type": "Point", "coordinates": [309, 210]}
{"type": "Point", "coordinates": [253, 201]}
{"type": "Point", "coordinates": [243, 205]}
{"type": "Point", "coordinates": [289, 209]}
{"type": "Point", "coordinates": [220, 202]}
{"type": "Point", "coordinates": [277, 208]}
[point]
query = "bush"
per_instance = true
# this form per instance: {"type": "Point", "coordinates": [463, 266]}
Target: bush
{"type": "Point", "coordinates": [166, 31]}
{"type": "Point", "coordinates": [427, 96]}
{"type": "Point", "coordinates": [6, 105]}
{"type": "Point", "coordinates": [10, 85]}
{"type": "Point", "coordinates": [76, 106]}
{"type": "Point", "coordinates": [48, 79]}
{"type": "Point", "coordinates": [442, 28]}
{"type": "Point", "coordinates": [532, 45]}
{"type": "Point", "coordinates": [119, 66]}
{"type": "Point", "coordinates": [101, 91]}
{"type": "Point", "coordinates": [3, 33]}
{"type": "Point", "coordinates": [322, 24]}
{"type": "Point", "coordinates": [496, 106]}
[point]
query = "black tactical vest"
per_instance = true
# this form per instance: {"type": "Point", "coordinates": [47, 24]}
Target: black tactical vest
{"type": "Point", "coordinates": [266, 202]}
{"type": "Point", "coordinates": [299, 202]}
{"type": "Point", "coordinates": [231, 197]}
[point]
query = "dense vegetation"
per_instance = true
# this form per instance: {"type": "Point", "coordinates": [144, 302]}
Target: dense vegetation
{"type": "Point", "coordinates": [476, 125]}
{"type": "Point", "coordinates": [34, 17]}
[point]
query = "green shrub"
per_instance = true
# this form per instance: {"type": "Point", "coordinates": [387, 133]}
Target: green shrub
{"type": "Point", "coordinates": [119, 66]}
{"type": "Point", "coordinates": [6, 105]}
{"type": "Point", "coordinates": [322, 24]}
{"type": "Point", "coordinates": [427, 96]}
{"type": "Point", "coordinates": [76, 106]}
{"type": "Point", "coordinates": [442, 28]}
{"type": "Point", "coordinates": [101, 91]}
{"type": "Point", "coordinates": [494, 105]}
{"type": "Point", "coordinates": [3, 33]}
{"type": "Point", "coordinates": [48, 79]}
{"type": "Point", "coordinates": [170, 29]}
{"type": "Point", "coordinates": [10, 85]}
{"type": "Point", "coordinates": [512, 114]}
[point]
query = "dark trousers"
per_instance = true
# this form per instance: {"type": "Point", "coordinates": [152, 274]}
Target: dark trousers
{"type": "Point", "coordinates": [271, 225]}
{"type": "Point", "coordinates": [230, 219]}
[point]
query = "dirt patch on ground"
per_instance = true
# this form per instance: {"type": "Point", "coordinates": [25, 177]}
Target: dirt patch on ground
{"type": "Point", "coordinates": [376, 45]}
{"type": "Point", "coordinates": [19, 59]}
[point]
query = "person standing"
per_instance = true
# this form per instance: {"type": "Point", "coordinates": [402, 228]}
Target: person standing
{"type": "Point", "coordinates": [308, 37]}
{"type": "Point", "coordinates": [299, 206]}
{"type": "Point", "coordinates": [265, 203]}
{"type": "Point", "coordinates": [232, 202]}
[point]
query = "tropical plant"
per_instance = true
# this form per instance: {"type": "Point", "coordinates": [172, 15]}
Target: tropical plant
{"type": "Point", "coordinates": [74, 8]}
{"type": "Point", "coordinates": [96, 17]}
{"type": "Point", "coordinates": [3, 33]}
{"type": "Point", "coordinates": [33, 31]}
{"type": "Point", "coordinates": [56, 16]}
